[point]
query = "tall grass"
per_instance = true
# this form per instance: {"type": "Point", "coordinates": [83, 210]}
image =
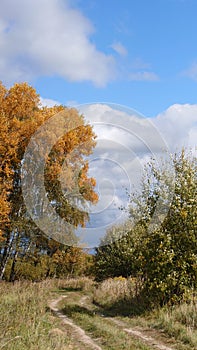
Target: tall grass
{"type": "Point", "coordinates": [179, 321]}
{"type": "Point", "coordinates": [85, 284]}
{"type": "Point", "coordinates": [25, 322]}
{"type": "Point", "coordinates": [113, 290]}
{"type": "Point", "coordinates": [119, 297]}
{"type": "Point", "coordinates": [78, 306]}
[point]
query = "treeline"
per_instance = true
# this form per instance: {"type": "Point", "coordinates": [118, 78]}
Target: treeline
{"type": "Point", "coordinates": [37, 265]}
{"type": "Point", "coordinates": [25, 250]}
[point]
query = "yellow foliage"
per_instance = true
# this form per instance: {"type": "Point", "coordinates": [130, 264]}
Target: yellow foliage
{"type": "Point", "coordinates": [21, 115]}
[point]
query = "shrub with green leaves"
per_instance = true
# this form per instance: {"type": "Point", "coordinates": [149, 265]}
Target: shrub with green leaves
{"type": "Point", "coordinates": [164, 257]}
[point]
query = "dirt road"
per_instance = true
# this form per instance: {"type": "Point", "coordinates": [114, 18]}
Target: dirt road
{"type": "Point", "coordinates": [151, 338]}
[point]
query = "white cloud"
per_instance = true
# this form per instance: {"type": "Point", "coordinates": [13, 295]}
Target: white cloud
{"type": "Point", "coordinates": [41, 37]}
{"type": "Point", "coordinates": [119, 48]}
{"type": "Point", "coordinates": [123, 126]}
{"type": "Point", "coordinates": [125, 143]}
{"type": "Point", "coordinates": [143, 76]}
{"type": "Point", "coordinates": [178, 125]}
{"type": "Point", "coordinates": [125, 140]}
{"type": "Point", "coordinates": [47, 102]}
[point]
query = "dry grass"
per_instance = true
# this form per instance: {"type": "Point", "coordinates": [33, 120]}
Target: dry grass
{"type": "Point", "coordinates": [113, 290]}
{"type": "Point", "coordinates": [25, 322]}
{"type": "Point", "coordinates": [119, 297]}
{"type": "Point", "coordinates": [82, 283]}
{"type": "Point", "coordinates": [180, 321]}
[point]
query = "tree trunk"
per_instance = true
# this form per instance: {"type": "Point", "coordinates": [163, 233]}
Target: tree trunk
{"type": "Point", "coordinates": [12, 272]}
{"type": "Point", "coordinates": [6, 254]}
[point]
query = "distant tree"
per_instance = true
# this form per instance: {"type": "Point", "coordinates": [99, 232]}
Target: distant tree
{"type": "Point", "coordinates": [115, 255]}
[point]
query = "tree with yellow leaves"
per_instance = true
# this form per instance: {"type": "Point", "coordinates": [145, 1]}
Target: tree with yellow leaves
{"type": "Point", "coordinates": [21, 115]}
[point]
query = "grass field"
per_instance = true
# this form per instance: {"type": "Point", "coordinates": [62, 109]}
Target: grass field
{"type": "Point", "coordinates": [178, 321]}
{"type": "Point", "coordinates": [27, 323]}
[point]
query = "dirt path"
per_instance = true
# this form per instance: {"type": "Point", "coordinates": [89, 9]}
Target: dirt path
{"type": "Point", "coordinates": [147, 335]}
{"type": "Point", "coordinates": [78, 331]}
{"type": "Point", "coordinates": [151, 338]}
{"type": "Point", "coordinates": [142, 334]}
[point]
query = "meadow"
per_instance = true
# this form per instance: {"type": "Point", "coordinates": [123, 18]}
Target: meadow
{"type": "Point", "coordinates": [104, 310]}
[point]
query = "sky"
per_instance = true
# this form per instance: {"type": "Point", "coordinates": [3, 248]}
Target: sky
{"type": "Point", "coordinates": [141, 54]}
{"type": "Point", "coordinates": [115, 61]}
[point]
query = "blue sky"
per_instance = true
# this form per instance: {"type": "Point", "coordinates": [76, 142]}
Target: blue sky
{"type": "Point", "coordinates": [159, 37]}
{"type": "Point", "coordinates": [154, 68]}
{"type": "Point", "coordinates": [148, 51]}
{"type": "Point", "coordinates": [141, 54]}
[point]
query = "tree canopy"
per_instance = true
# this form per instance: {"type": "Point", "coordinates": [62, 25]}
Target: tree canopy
{"type": "Point", "coordinates": [66, 178]}
{"type": "Point", "coordinates": [161, 255]}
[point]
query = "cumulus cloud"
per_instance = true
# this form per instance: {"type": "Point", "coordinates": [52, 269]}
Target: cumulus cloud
{"type": "Point", "coordinates": [50, 38]}
{"type": "Point", "coordinates": [178, 125]}
{"type": "Point", "coordinates": [175, 127]}
{"type": "Point", "coordinates": [125, 142]}
{"type": "Point", "coordinates": [123, 126]}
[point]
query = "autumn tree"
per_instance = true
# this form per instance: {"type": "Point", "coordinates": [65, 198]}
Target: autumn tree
{"type": "Point", "coordinates": [21, 115]}
{"type": "Point", "coordinates": [64, 262]}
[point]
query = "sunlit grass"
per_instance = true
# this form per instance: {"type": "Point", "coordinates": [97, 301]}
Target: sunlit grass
{"type": "Point", "coordinates": [25, 322]}
{"type": "Point", "coordinates": [179, 321]}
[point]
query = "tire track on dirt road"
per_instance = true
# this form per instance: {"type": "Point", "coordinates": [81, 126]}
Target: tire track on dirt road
{"type": "Point", "coordinates": [79, 333]}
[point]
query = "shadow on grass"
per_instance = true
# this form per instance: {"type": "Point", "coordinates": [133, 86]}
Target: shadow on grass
{"type": "Point", "coordinates": [136, 306]}
{"type": "Point", "coordinates": [70, 289]}
{"type": "Point", "coordinates": [70, 310]}
{"type": "Point", "coordinates": [124, 308]}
